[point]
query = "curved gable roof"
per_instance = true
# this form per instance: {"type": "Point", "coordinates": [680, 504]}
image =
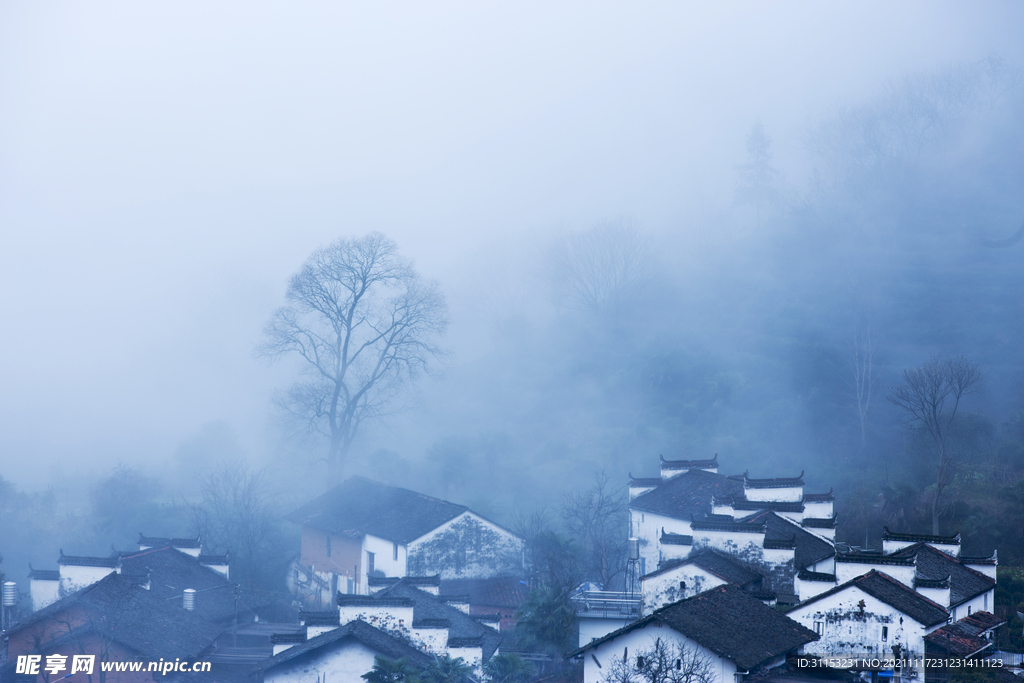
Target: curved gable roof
{"type": "Point", "coordinates": [687, 494]}
{"type": "Point", "coordinates": [730, 622]}
{"type": "Point", "coordinates": [362, 506]}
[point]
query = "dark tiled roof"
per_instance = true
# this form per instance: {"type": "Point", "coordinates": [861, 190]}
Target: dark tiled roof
{"type": "Point", "coordinates": [687, 494]}
{"type": "Point", "coordinates": [688, 464]}
{"type": "Point", "coordinates": [360, 506]}
{"type": "Point", "coordinates": [675, 539]}
{"type": "Point", "coordinates": [431, 623]}
{"type": "Point", "coordinates": [738, 527]}
{"type": "Point", "coordinates": [424, 580]}
{"type": "Point", "coordinates": [984, 621]}
{"type": "Point", "coordinates": [919, 538]}
{"type": "Point", "coordinates": [893, 593]}
{"type": "Point", "coordinates": [466, 642]}
{"type": "Point", "coordinates": [964, 583]}
{"type": "Point", "coordinates": [956, 641]}
{"type": "Point", "coordinates": [136, 618]}
{"type": "Point", "coordinates": [819, 522]}
{"type": "Point", "coordinates": [780, 483]}
{"type": "Point", "coordinates": [778, 506]}
{"type": "Point", "coordinates": [819, 497]}
{"type": "Point", "coordinates": [214, 559]}
{"type": "Point", "coordinates": [376, 599]}
{"type": "Point", "coordinates": [79, 561]}
{"type": "Point", "coordinates": [427, 606]}
{"type": "Point", "coordinates": [810, 548]}
{"type": "Point", "coordinates": [805, 575]}
{"type": "Point", "coordinates": [716, 563]}
{"type": "Point", "coordinates": [381, 581]}
{"type": "Point", "coordinates": [160, 541]}
{"type": "Point", "coordinates": [326, 618]}
{"type": "Point", "coordinates": [509, 593]}
{"type": "Point", "coordinates": [299, 637]}
{"type": "Point", "coordinates": [644, 482]}
{"type": "Point", "coordinates": [377, 640]}
{"type": "Point", "coordinates": [43, 574]}
{"type": "Point", "coordinates": [172, 571]}
{"type": "Point", "coordinates": [872, 558]}
{"type": "Point", "coordinates": [731, 623]}
{"type": "Point", "coordinates": [966, 636]}
{"type": "Point", "coordinates": [931, 583]}
{"type": "Point", "coordinates": [990, 560]}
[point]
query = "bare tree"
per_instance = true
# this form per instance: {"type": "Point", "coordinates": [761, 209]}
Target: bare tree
{"type": "Point", "coordinates": [929, 397]}
{"type": "Point", "coordinates": [597, 518]}
{"type": "Point", "coordinates": [233, 515]}
{"type": "Point", "coordinates": [662, 663]}
{"type": "Point", "coordinates": [602, 267]}
{"type": "Point", "coordinates": [363, 322]}
{"type": "Point", "coordinates": [863, 362]}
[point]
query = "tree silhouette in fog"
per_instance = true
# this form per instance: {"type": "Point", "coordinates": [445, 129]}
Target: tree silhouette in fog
{"type": "Point", "coordinates": [363, 323]}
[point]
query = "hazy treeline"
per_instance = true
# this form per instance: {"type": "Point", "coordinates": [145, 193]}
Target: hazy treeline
{"type": "Point", "coordinates": [768, 330]}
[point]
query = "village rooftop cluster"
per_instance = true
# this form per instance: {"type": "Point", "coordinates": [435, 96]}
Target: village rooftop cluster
{"type": "Point", "coordinates": [730, 576]}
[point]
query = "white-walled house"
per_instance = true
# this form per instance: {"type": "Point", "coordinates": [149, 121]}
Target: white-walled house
{"type": "Point", "coordinates": [769, 525]}
{"type": "Point", "coordinates": [340, 654]}
{"type": "Point", "coordinates": [426, 622]}
{"type": "Point", "coordinates": [703, 570]}
{"type": "Point", "coordinates": [870, 615]}
{"type": "Point", "coordinates": [363, 528]}
{"type": "Point", "coordinates": [733, 632]}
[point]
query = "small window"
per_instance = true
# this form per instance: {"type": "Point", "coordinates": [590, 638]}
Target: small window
{"type": "Point", "coordinates": [369, 563]}
{"type": "Point", "coordinates": [885, 633]}
{"type": "Point", "coordinates": [328, 545]}
{"type": "Point", "coordinates": [395, 552]}
{"type": "Point", "coordinates": [968, 610]}
{"type": "Point", "coordinates": [639, 662]}
{"type": "Point", "coordinates": [682, 586]}
{"type": "Point", "coordinates": [679, 665]}
{"type": "Point", "coordinates": [819, 628]}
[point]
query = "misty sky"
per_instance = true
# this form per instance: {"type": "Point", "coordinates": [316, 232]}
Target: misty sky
{"type": "Point", "coordinates": [164, 167]}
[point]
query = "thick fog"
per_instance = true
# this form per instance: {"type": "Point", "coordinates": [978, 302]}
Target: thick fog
{"type": "Point", "coordinates": [166, 167]}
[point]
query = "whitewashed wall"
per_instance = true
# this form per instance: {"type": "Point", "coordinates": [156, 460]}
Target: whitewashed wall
{"type": "Point", "coordinates": [468, 546]}
{"type": "Point", "coordinates": [939, 595]}
{"type": "Point", "coordinates": [432, 640]}
{"type": "Point", "coordinates": [598, 662]}
{"type": "Point", "coordinates": [847, 571]}
{"type": "Point", "coordinates": [391, 618]}
{"type": "Point", "coordinates": [785, 494]}
{"type": "Point", "coordinates": [647, 527]}
{"type": "Point", "coordinates": [383, 560]}
{"type": "Point", "coordinates": [818, 509]}
{"type": "Point", "coordinates": [344, 661]}
{"type": "Point", "coordinates": [982, 603]}
{"type": "Point", "coordinates": [805, 590]}
{"type": "Point", "coordinates": [664, 588]}
{"type": "Point", "coordinates": [73, 577]}
{"type": "Point", "coordinates": [848, 628]}
{"type": "Point", "coordinates": [43, 593]}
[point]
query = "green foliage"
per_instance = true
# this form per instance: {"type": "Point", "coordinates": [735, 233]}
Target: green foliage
{"type": "Point", "coordinates": [508, 668]}
{"type": "Point", "coordinates": [447, 670]}
{"type": "Point", "coordinates": [547, 620]}
{"type": "Point", "coordinates": [391, 671]}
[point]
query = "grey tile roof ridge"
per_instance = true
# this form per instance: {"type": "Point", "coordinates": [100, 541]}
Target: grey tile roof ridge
{"type": "Point", "coordinates": [369, 635]}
